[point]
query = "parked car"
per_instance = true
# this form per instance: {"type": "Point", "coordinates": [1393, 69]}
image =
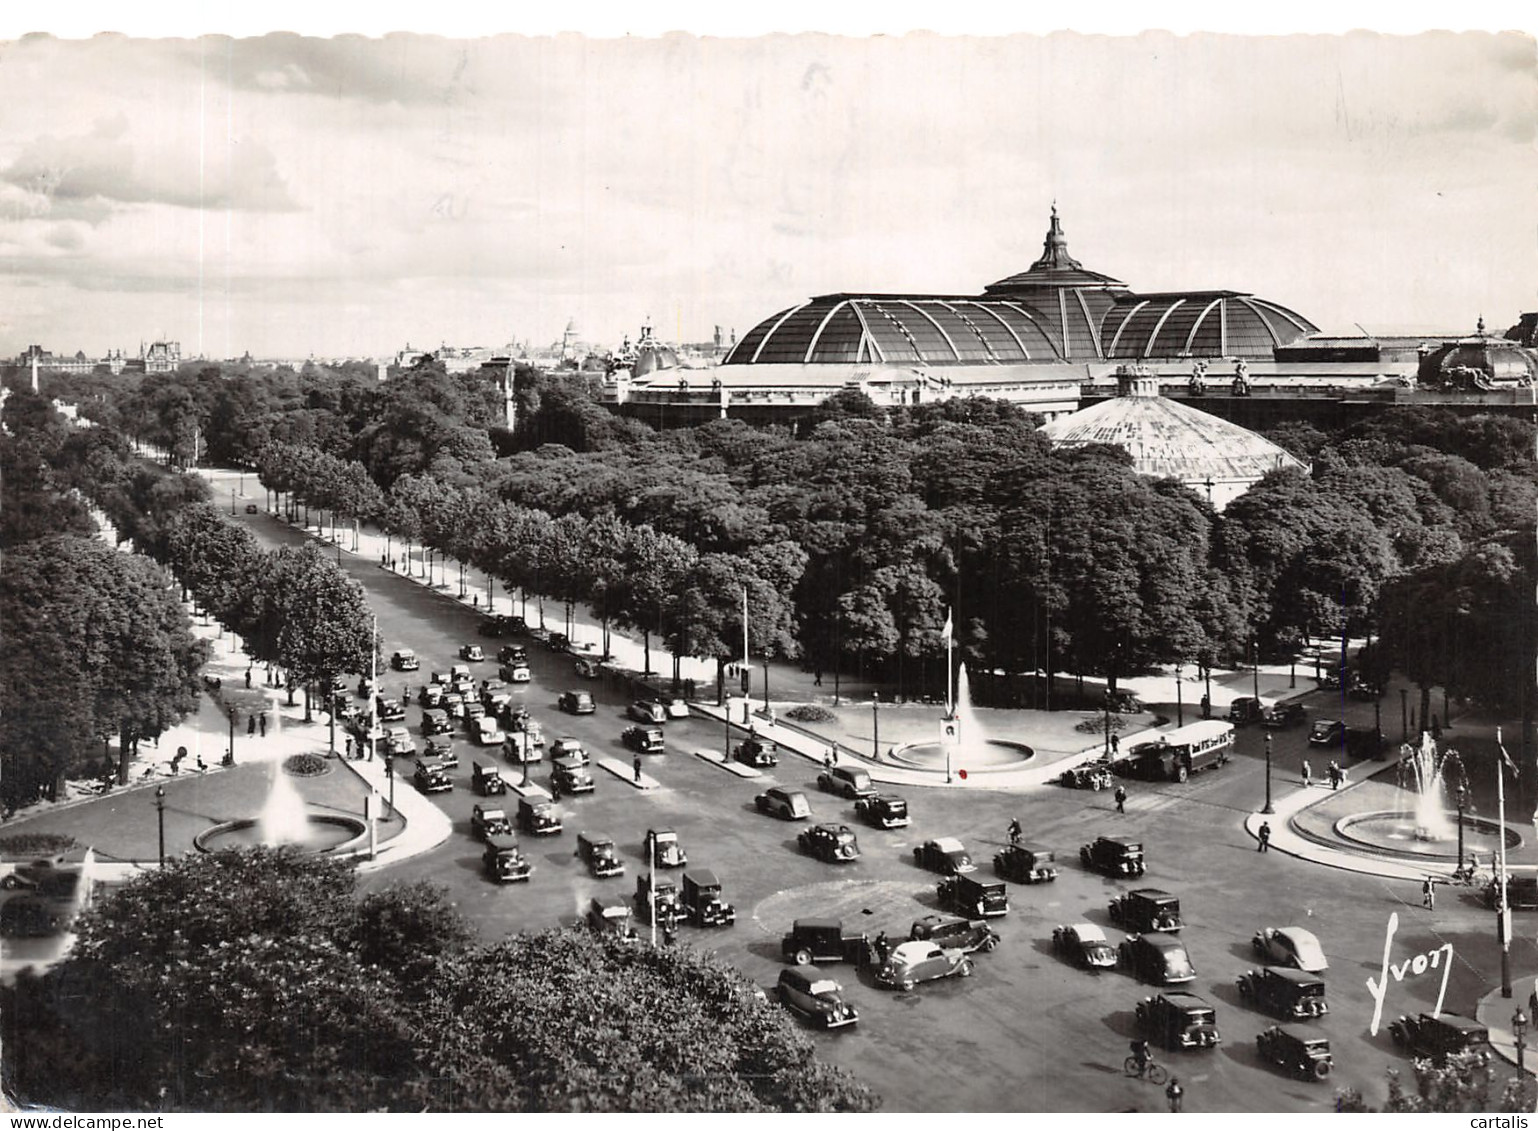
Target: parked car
{"type": "Point", "coordinates": [1094, 775]}
{"type": "Point", "coordinates": [1179, 1020]}
{"type": "Point", "coordinates": [460, 673]}
{"type": "Point", "coordinates": [847, 781]}
{"type": "Point", "coordinates": [884, 811]}
{"type": "Point", "coordinates": [1327, 732]}
{"type": "Point", "coordinates": [701, 899]}
{"type": "Point", "coordinates": [1146, 909]}
{"type": "Point", "coordinates": [835, 844]}
{"type": "Point", "coordinates": [453, 703]}
{"type": "Point", "coordinates": [558, 642]}
{"type": "Point", "coordinates": [1083, 944]}
{"type": "Point", "coordinates": [576, 703]}
{"type": "Point", "coordinates": [676, 707]}
{"type": "Point", "coordinates": [1245, 709]}
{"type": "Point", "coordinates": [570, 776]}
{"type": "Point", "coordinates": [568, 747]}
{"type": "Point", "coordinates": [956, 931]}
{"type": "Point", "coordinates": [610, 915]}
{"type": "Point", "coordinates": [1114, 856]}
{"type": "Point", "coordinates": [1438, 1037]}
{"type": "Point", "coordinates": [471, 652]}
{"type": "Point", "coordinates": [486, 781]}
{"type": "Point", "coordinates": [1157, 958]}
{"type": "Point", "coordinates": [495, 625]}
{"type": "Point", "coordinates": [1289, 713]}
{"type": "Point", "coordinates": [538, 817]}
{"type": "Point", "coordinates": [587, 668]}
{"type": "Point", "coordinates": [1025, 864]}
{"type": "Point", "coordinates": [809, 992]}
{"type": "Point", "coordinates": [947, 855]}
{"type": "Point", "coordinates": [389, 710]}
{"type": "Point", "coordinates": [647, 711]}
{"type": "Point", "coordinates": [1289, 946]}
{"type": "Point", "coordinates": [252, 508]}
{"type": "Point", "coordinates": [664, 892]}
{"type": "Point", "coordinates": [55, 877]}
{"type": "Point", "coordinates": [758, 752]}
{"type": "Point", "coordinates": [786, 804]}
{"type": "Point", "coordinates": [1521, 893]}
{"type": "Point", "coordinates": [405, 660]}
{"type": "Point", "coordinates": [486, 822]}
{"type": "Point", "coordinates": [512, 654]}
{"type": "Point", "coordinates": [662, 847]}
{"type": "Point", "coordinates": [599, 854]}
{"type": "Point", "coordinates": [1287, 993]}
{"type": "Point", "coordinates": [969, 893]}
{"type": "Point", "coordinates": [1305, 1055]}
{"type": "Point", "coordinates": [436, 721]}
{"type": "Point", "coordinates": [432, 777]}
{"type": "Point", "coordinates": [910, 963]}
{"type": "Point", "coordinates": [644, 740]}
{"type": "Point", "coordinates": [823, 941]}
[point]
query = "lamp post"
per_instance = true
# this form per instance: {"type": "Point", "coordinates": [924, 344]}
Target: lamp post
{"type": "Point", "coordinates": [1269, 807]}
{"type": "Point", "coordinates": [1519, 1033]}
{"type": "Point", "coordinates": [390, 776]}
{"type": "Point", "coordinates": [232, 500]}
{"type": "Point", "coordinates": [1404, 714]}
{"type": "Point", "coordinates": [766, 684]}
{"type": "Point", "coordinates": [1463, 799]}
{"type": "Point", "coordinates": [1180, 706]}
{"type": "Point", "coordinates": [160, 813]}
{"type": "Point", "coordinates": [1255, 668]}
{"type": "Point", "coordinates": [875, 726]}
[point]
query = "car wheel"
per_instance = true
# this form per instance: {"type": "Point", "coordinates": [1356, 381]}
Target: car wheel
{"type": "Point", "coordinates": [803, 957]}
{"type": "Point", "coordinates": [1181, 773]}
{"type": "Point", "coordinates": [907, 984]}
{"type": "Point", "coordinates": [989, 943]}
{"type": "Point", "coordinates": [965, 969]}
{"type": "Point", "coordinates": [10, 883]}
{"type": "Point", "coordinates": [1321, 1069]}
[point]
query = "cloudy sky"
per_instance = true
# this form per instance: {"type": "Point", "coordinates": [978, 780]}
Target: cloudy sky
{"type": "Point", "coordinates": [343, 196]}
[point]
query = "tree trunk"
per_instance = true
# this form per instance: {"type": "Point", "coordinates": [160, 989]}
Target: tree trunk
{"type": "Point", "coordinates": [122, 755]}
{"type": "Point", "coordinates": [307, 716]}
{"type": "Point", "coordinates": [1425, 706]}
{"type": "Point", "coordinates": [646, 644]}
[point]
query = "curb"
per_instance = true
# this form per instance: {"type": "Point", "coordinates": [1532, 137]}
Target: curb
{"type": "Point", "coordinates": [720, 762]}
{"type": "Point", "coordinates": [626, 773]}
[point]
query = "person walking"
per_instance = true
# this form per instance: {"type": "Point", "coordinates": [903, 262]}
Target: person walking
{"type": "Point", "coordinates": [261, 724]}
{"type": "Point", "coordinates": [1335, 775]}
{"type": "Point", "coordinates": [1206, 706]}
{"type": "Point", "coordinates": [1121, 798]}
{"type": "Point", "coordinates": [1175, 1094]}
{"type": "Point", "coordinates": [248, 679]}
{"type": "Point", "coordinates": [636, 765]}
{"type": "Point", "coordinates": [1264, 837]}
{"type": "Point", "coordinates": [251, 725]}
{"type": "Point", "coordinates": [349, 746]}
{"type": "Point", "coordinates": [1308, 777]}
{"type": "Point", "coordinates": [1429, 894]}
{"type": "Point", "coordinates": [1115, 746]}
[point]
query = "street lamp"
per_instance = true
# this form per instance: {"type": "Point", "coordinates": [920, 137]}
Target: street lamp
{"type": "Point", "coordinates": [160, 812]}
{"type": "Point", "coordinates": [875, 726]}
{"type": "Point", "coordinates": [1463, 799]}
{"type": "Point", "coordinates": [1180, 706]}
{"type": "Point", "coordinates": [390, 776]}
{"type": "Point", "coordinates": [1519, 1032]}
{"type": "Point", "coordinates": [1255, 660]}
{"type": "Point", "coordinates": [1404, 714]}
{"type": "Point", "coordinates": [1269, 807]}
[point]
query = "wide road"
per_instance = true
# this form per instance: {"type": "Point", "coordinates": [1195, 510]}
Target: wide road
{"type": "Point", "coordinates": [1027, 1032]}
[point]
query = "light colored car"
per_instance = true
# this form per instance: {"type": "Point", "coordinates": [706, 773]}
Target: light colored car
{"type": "Point", "coordinates": [786, 804]}
{"type": "Point", "coordinates": [488, 732]}
{"type": "Point", "coordinates": [472, 652]}
{"type": "Point", "coordinates": [1290, 946]}
{"type": "Point", "coordinates": [675, 707]}
{"type": "Point", "coordinates": [913, 962]}
{"type": "Point", "coordinates": [1084, 944]}
{"type": "Point", "coordinates": [400, 742]}
{"type": "Point", "coordinates": [647, 711]}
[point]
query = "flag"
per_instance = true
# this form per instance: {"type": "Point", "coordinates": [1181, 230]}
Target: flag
{"type": "Point", "coordinates": [949, 630]}
{"type": "Point", "coordinates": [1505, 757]}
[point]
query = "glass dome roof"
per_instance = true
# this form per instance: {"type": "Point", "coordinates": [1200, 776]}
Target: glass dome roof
{"type": "Point", "coordinates": [1199, 324]}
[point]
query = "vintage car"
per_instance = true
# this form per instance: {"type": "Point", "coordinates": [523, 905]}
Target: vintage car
{"type": "Point", "coordinates": [587, 668]}
{"type": "Point", "coordinates": [599, 854]}
{"type": "Point", "coordinates": [1146, 909]}
{"type": "Point", "coordinates": [647, 711]}
{"type": "Point", "coordinates": [1278, 716]}
{"type": "Point", "coordinates": [558, 642]}
{"type": "Point", "coordinates": [1025, 864]}
{"type": "Point", "coordinates": [786, 804]}
{"type": "Point", "coordinates": [389, 710]}
{"type": "Point", "coordinates": [662, 847]}
{"type": "Point", "coordinates": [1438, 1037]}
{"type": "Point", "coordinates": [570, 776]}
{"type": "Point", "coordinates": [494, 625]}
{"type": "Point", "coordinates": [460, 673]}
{"type": "Point", "coordinates": [486, 781]}
{"type": "Point", "coordinates": [973, 895]}
{"type": "Point", "coordinates": [471, 652]}
{"type": "Point", "coordinates": [512, 654]}
{"type": "Point", "coordinates": [807, 991]}
{"type": "Point", "coordinates": [431, 695]}
{"type": "Point", "coordinates": [493, 688]}
{"type": "Point", "coordinates": [487, 731]}
{"type": "Point", "coordinates": [366, 687]}
{"type": "Point", "coordinates": [676, 707]}
{"type": "Point", "coordinates": [1091, 775]}
{"type": "Point", "coordinates": [700, 898]}
{"type": "Point", "coordinates": [835, 844]}
{"type": "Point", "coordinates": [519, 746]}
{"type": "Point", "coordinates": [1284, 992]}
{"type": "Point", "coordinates": [1327, 732]}
{"type": "Point", "coordinates": [571, 748]}
{"type": "Point", "coordinates": [432, 777]}
{"type": "Point", "coordinates": [958, 932]}
{"type": "Point", "coordinates": [755, 751]}
{"type": "Point", "coordinates": [436, 721]}
{"type": "Point", "coordinates": [610, 915]}
{"type": "Point", "coordinates": [1083, 944]}
{"type": "Point", "coordinates": [846, 781]}
{"type": "Point", "coordinates": [1289, 946]}
{"type": "Point", "coordinates": [364, 732]}
{"type": "Point", "coordinates": [56, 877]}
{"type": "Point", "coordinates": [515, 672]}
{"type": "Point", "coordinates": [910, 963]}
{"type": "Point", "coordinates": [1179, 1020]}
{"type": "Point", "coordinates": [644, 740]}
{"type": "Point", "coordinates": [486, 822]}
{"type": "Point", "coordinates": [252, 508]}
{"type": "Point", "coordinates": [32, 916]}
{"type": "Point", "coordinates": [823, 940]}
{"type": "Point", "coordinates": [442, 751]}
{"type": "Point", "coordinates": [1114, 856]}
{"type": "Point", "coordinates": [1157, 958]}
{"type": "Point", "coordinates": [576, 703]}
{"type": "Point", "coordinates": [1521, 893]}
{"type": "Point", "coordinates": [1245, 709]}
{"type": "Point", "coordinates": [538, 817]}
{"type": "Point", "coordinates": [399, 743]}
{"type": "Point", "coordinates": [1305, 1055]}
{"type": "Point", "coordinates": [453, 703]}
{"type": "Point", "coordinates": [405, 660]}
{"type": "Point", "coordinates": [664, 892]}
{"type": "Point", "coordinates": [884, 811]}
{"type": "Point", "coordinates": [518, 719]}
{"type": "Point", "coordinates": [947, 855]}
{"type": "Point", "coordinates": [474, 710]}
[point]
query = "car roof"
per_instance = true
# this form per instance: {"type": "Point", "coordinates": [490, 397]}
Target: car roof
{"type": "Point", "coordinates": [1298, 977]}
{"type": "Point", "coordinates": [809, 978]}
{"type": "Point", "coordinates": [1087, 932]}
{"type": "Point", "coordinates": [1453, 1021]}
{"type": "Point", "coordinates": [497, 812]}
{"type": "Point", "coordinates": [661, 832]}
{"type": "Point", "coordinates": [610, 903]}
{"type": "Point", "coordinates": [1035, 849]}
{"type": "Point", "coordinates": [703, 877]}
{"type": "Point", "coordinates": [1125, 841]}
{"type": "Point", "coordinates": [889, 798]}
{"type": "Point", "coordinates": [1186, 999]}
{"type": "Point", "coordinates": [819, 924]}
{"type": "Point", "coordinates": [914, 949]}
{"type": "Point", "coordinates": [1151, 893]}
{"type": "Point", "coordinates": [1296, 936]}
{"type": "Point", "coordinates": [501, 841]}
{"type": "Point", "coordinates": [568, 763]}
{"type": "Point", "coordinates": [948, 844]}
{"type": "Point", "coordinates": [595, 838]}
{"type": "Point", "coordinates": [1161, 940]}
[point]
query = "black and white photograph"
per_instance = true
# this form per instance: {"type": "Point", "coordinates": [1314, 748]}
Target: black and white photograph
{"type": "Point", "coordinates": [656, 566]}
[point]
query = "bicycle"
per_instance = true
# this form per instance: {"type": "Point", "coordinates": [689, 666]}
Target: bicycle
{"type": "Point", "coordinates": [1150, 1070]}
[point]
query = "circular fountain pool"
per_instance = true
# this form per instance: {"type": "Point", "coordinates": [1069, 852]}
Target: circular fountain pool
{"type": "Point", "coordinates": [320, 833]}
{"type": "Point", "coordinates": [1399, 831]}
{"type": "Point", "coordinates": [992, 754]}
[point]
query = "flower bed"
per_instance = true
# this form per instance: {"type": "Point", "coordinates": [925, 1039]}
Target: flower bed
{"type": "Point", "coordinates": [306, 765]}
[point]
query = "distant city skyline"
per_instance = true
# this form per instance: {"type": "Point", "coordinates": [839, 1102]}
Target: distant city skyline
{"type": "Point", "coordinates": [287, 197]}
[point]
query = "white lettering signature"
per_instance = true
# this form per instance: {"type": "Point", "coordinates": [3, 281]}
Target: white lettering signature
{"type": "Point", "coordinates": [1418, 965]}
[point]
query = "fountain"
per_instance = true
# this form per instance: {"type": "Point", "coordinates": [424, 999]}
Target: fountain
{"type": "Point", "coordinates": [1428, 770]}
{"type": "Point", "coordinates": [283, 819]}
{"type": "Point", "coordinates": [971, 749]}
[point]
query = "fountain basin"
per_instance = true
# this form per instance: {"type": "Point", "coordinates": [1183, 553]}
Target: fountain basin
{"type": "Point", "coordinates": [1401, 832]}
{"type": "Point", "coordinates": [322, 833]}
{"type": "Point", "coordinates": [993, 754]}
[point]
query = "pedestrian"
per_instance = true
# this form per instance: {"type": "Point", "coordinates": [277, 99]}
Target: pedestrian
{"type": "Point", "coordinates": [261, 724]}
{"type": "Point", "coordinates": [251, 725]}
{"type": "Point", "coordinates": [883, 949]}
{"type": "Point", "coordinates": [1121, 799]}
{"type": "Point", "coordinates": [349, 746]}
{"type": "Point", "coordinates": [1206, 706]}
{"type": "Point", "coordinates": [1115, 746]}
{"type": "Point", "coordinates": [1308, 777]}
{"type": "Point", "coordinates": [636, 765]}
{"type": "Point", "coordinates": [1264, 837]}
{"type": "Point", "coordinates": [833, 755]}
{"type": "Point", "coordinates": [1015, 831]}
{"type": "Point", "coordinates": [248, 679]}
{"type": "Point", "coordinates": [827, 761]}
{"type": "Point", "coordinates": [1175, 1094]}
{"type": "Point", "coordinates": [1429, 894]}
{"type": "Point", "coordinates": [1335, 775]}
{"type": "Point", "coordinates": [817, 678]}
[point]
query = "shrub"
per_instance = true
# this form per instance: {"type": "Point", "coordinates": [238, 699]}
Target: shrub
{"type": "Point", "coordinates": [29, 846]}
{"type": "Point", "coordinates": [810, 713]}
{"type": "Point", "coordinates": [306, 765]}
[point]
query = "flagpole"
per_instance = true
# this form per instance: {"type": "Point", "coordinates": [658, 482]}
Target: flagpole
{"type": "Point", "coordinates": [1502, 910]}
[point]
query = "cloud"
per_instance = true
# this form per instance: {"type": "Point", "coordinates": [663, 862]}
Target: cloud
{"type": "Point", "coordinates": [65, 237]}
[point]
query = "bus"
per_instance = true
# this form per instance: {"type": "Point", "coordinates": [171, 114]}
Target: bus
{"type": "Point", "coordinates": [1179, 753]}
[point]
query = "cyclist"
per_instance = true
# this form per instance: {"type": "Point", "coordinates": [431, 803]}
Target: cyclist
{"type": "Point", "coordinates": [1015, 831]}
{"type": "Point", "coordinates": [1144, 1057]}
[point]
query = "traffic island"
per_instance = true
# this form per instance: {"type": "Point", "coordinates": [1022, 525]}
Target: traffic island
{"type": "Point", "coordinates": [715, 758]}
{"type": "Point", "coordinates": [626, 773]}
